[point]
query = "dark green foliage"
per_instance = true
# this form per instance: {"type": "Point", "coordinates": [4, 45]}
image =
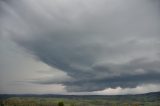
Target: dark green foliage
{"type": "Point", "coordinates": [60, 104]}
{"type": "Point", "coordinates": [1, 104]}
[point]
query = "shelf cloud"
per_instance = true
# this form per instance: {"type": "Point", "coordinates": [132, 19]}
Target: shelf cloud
{"type": "Point", "coordinates": [98, 44]}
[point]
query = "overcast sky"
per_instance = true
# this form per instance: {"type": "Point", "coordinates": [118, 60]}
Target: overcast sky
{"type": "Point", "coordinates": [79, 46]}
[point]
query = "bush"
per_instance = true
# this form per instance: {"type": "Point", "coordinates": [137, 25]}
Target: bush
{"type": "Point", "coordinates": [60, 104]}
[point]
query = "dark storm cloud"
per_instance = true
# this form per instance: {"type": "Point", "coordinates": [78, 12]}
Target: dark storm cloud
{"type": "Point", "coordinates": [125, 81]}
{"type": "Point", "coordinates": [99, 44]}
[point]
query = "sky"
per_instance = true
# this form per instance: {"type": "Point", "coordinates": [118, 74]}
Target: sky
{"type": "Point", "coordinates": [103, 47]}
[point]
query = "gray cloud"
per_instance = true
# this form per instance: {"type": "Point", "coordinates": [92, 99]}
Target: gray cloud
{"type": "Point", "coordinates": [99, 44]}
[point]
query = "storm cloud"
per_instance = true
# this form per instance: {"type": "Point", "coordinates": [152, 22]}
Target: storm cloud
{"type": "Point", "coordinates": [98, 44]}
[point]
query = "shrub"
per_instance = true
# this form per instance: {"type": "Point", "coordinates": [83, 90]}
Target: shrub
{"type": "Point", "coordinates": [60, 104]}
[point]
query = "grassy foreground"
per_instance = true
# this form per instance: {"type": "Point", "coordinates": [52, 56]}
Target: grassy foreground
{"type": "Point", "coordinates": [150, 99]}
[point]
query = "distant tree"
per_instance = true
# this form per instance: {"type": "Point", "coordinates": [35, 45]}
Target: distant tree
{"type": "Point", "coordinates": [60, 104]}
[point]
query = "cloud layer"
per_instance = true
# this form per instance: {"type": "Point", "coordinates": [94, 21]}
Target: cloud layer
{"type": "Point", "coordinates": [99, 44]}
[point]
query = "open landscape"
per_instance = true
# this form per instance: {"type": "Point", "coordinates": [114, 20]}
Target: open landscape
{"type": "Point", "coordinates": [79, 52]}
{"type": "Point", "coordinates": [149, 99]}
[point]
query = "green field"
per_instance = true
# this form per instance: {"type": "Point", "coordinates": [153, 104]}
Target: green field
{"type": "Point", "coordinates": [151, 99]}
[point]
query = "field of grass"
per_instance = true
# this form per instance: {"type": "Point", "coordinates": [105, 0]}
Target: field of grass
{"type": "Point", "coordinates": [152, 99]}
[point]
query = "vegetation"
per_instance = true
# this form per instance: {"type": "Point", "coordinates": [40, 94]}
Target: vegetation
{"type": "Point", "coordinates": [60, 104]}
{"type": "Point", "coordinates": [152, 99]}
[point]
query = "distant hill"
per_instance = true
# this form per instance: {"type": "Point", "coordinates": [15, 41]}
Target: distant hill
{"type": "Point", "coordinates": [152, 96]}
